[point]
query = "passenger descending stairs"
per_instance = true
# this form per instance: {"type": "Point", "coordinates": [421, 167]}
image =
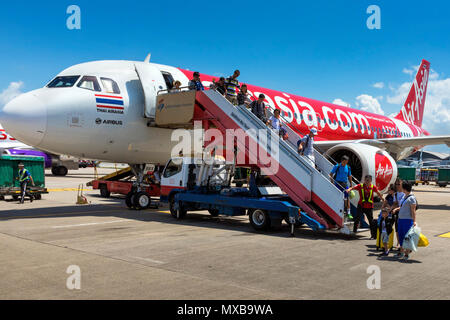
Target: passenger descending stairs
{"type": "Point", "coordinates": [308, 187]}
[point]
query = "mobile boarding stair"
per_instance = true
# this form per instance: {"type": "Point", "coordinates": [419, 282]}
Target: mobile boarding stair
{"type": "Point", "coordinates": [308, 187]}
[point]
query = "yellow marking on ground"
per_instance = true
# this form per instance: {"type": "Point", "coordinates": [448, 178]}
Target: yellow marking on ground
{"type": "Point", "coordinates": [164, 211]}
{"type": "Point", "coordinates": [445, 235]}
{"type": "Point", "coordinates": [57, 214]}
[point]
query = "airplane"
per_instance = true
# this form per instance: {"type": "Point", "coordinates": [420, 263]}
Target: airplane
{"type": "Point", "coordinates": [105, 110]}
{"type": "Point", "coordinates": [58, 164]}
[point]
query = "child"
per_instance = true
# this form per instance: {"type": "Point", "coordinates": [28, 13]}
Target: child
{"type": "Point", "coordinates": [385, 229]}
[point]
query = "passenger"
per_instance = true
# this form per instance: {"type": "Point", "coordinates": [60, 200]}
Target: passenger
{"type": "Point", "coordinates": [406, 217]}
{"type": "Point", "coordinates": [24, 179]}
{"type": "Point", "coordinates": [365, 205]}
{"type": "Point", "coordinates": [274, 121]}
{"type": "Point", "coordinates": [242, 97]}
{"type": "Point", "coordinates": [341, 176]}
{"type": "Point", "coordinates": [306, 146]}
{"type": "Point", "coordinates": [220, 86]}
{"type": "Point", "coordinates": [196, 83]}
{"type": "Point", "coordinates": [385, 229]}
{"type": "Point", "coordinates": [258, 108]}
{"type": "Point", "coordinates": [389, 200]}
{"type": "Point", "coordinates": [232, 85]}
{"type": "Point", "coordinates": [398, 197]}
{"type": "Point", "coordinates": [176, 87]}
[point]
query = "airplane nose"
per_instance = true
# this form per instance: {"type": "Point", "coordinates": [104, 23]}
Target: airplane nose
{"type": "Point", "coordinates": [25, 118]}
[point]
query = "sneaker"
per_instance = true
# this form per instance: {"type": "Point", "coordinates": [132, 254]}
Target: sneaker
{"type": "Point", "coordinates": [405, 258]}
{"type": "Point", "coordinates": [400, 255]}
{"type": "Point", "coordinates": [349, 215]}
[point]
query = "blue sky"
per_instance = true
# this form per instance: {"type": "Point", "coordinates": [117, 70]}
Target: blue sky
{"type": "Point", "coordinates": [318, 49]}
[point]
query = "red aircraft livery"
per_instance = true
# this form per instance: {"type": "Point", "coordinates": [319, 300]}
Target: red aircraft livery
{"type": "Point", "coordinates": [338, 124]}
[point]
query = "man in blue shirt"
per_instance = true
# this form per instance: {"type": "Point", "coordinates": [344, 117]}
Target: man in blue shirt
{"type": "Point", "coordinates": [24, 178]}
{"type": "Point", "coordinates": [196, 83]}
{"type": "Point", "coordinates": [341, 176]}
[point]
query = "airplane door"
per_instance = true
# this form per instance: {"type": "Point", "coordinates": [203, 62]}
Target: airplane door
{"type": "Point", "coordinates": [152, 82]}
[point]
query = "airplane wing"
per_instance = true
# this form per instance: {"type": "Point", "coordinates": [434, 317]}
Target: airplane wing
{"type": "Point", "coordinates": [395, 146]}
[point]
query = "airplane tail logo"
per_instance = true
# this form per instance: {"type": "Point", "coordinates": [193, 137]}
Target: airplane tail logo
{"type": "Point", "coordinates": [412, 110]}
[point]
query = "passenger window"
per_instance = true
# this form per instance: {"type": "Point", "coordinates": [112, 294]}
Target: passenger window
{"type": "Point", "coordinates": [110, 85]}
{"type": "Point", "coordinates": [90, 83]}
{"type": "Point", "coordinates": [172, 169]}
{"type": "Point", "coordinates": [168, 79]}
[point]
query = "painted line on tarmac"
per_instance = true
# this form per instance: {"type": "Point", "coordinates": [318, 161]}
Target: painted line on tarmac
{"type": "Point", "coordinates": [164, 211]}
{"type": "Point", "coordinates": [87, 224]}
{"type": "Point", "coordinates": [149, 260]}
{"type": "Point", "coordinates": [57, 214]}
{"type": "Point", "coordinates": [444, 235]}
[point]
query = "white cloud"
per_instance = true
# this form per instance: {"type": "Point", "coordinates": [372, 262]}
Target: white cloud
{"type": "Point", "coordinates": [13, 90]}
{"type": "Point", "coordinates": [378, 85]}
{"type": "Point", "coordinates": [341, 102]}
{"type": "Point", "coordinates": [368, 103]}
{"type": "Point", "coordinates": [410, 71]}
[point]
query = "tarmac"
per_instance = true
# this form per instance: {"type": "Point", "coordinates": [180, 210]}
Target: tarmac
{"type": "Point", "coordinates": [126, 254]}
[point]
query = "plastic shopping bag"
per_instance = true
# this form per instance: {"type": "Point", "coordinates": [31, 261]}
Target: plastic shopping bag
{"type": "Point", "coordinates": [411, 239]}
{"type": "Point", "coordinates": [423, 241]}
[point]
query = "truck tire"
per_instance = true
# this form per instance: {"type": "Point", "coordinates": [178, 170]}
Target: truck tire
{"type": "Point", "coordinates": [15, 197]}
{"type": "Point", "coordinates": [129, 200]}
{"type": "Point", "coordinates": [142, 200]}
{"type": "Point", "coordinates": [104, 192]}
{"type": "Point", "coordinates": [37, 196]}
{"type": "Point", "coordinates": [259, 219]}
{"type": "Point", "coordinates": [177, 214]}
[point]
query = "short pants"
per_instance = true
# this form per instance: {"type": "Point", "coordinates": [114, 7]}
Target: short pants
{"type": "Point", "coordinates": [343, 186]}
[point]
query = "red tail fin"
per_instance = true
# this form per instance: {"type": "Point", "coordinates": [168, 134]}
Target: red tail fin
{"type": "Point", "coordinates": [412, 110]}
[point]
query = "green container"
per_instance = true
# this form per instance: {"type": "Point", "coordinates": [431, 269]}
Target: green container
{"type": "Point", "coordinates": [444, 175]}
{"type": "Point", "coordinates": [9, 171]}
{"type": "Point", "coordinates": [407, 174]}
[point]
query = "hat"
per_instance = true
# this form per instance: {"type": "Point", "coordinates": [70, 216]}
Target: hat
{"type": "Point", "coordinates": [313, 131]}
{"type": "Point", "coordinates": [20, 164]}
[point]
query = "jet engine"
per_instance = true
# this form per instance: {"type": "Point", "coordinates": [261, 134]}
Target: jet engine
{"type": "Point", "coordinates": [367, 160]}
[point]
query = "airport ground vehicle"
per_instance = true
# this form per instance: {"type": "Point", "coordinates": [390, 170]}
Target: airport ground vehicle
{"type": "Point", "coordinates": [407, 174]}
{"type": "Point", "coordinates": [121, 182]}
{"type": "Point", "coordinates": [299, 184]}
{"type": "Point", "coordinates": [9, 184]}
{"type": "Point", "coordinates": [443, 177]}
{"type": "Point", "coordinates": [427, 175]}
{"type": "Point", "coordinates": [194, 184]}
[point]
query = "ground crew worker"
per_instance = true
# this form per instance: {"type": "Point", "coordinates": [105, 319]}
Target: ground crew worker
{"type": "Point", "coordinates": [306, 146]}
{"type": "Point", "coordinates": [341, 176]}
{"type": "Point", "coordinates": [365, 204]}
{"type": "Point", "coordinates": [24, 178]}
{"type": "Point", "coordinates": [232, 85]}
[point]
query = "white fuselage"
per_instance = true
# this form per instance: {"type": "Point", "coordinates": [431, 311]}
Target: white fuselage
{"type": "Point", "coordinates": [63, 119]}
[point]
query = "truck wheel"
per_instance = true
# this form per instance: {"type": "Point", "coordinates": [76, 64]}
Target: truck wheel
{"type": "Point", "coordinates": [104, 192]}
{"type": "Point", "coordinates": [142, 200]}
{"type": "Point", "coordinates": [129, 200]}
{"type": "Point", "coordinates": [259, 219]}
{"type": "Point", "coordinates": [59, 171]}
{"type": "Point", "coordinates": [37, 196]}
{"type": "Point", "coordinates": [177, 214]}
{"type": "Point", "coordinates": [15, 198]}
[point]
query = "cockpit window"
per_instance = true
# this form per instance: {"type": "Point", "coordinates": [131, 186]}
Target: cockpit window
{"type": "Point", "coordinates": [90, 83]}
{"type": "Point", "coordinates": [110, 85]}
{"type": "Point", "coordinates": [63, 82]}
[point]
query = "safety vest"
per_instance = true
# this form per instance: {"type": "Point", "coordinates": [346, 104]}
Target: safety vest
{"type": "Point", "coordinates": [370, 200]}
{"type": "Point", "coordinates": [23, 175]}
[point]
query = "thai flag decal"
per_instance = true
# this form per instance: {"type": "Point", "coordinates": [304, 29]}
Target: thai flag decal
{"type": "Point", "coordinates": [109, 102]}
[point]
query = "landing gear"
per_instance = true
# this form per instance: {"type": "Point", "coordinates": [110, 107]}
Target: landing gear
{"type": "Point", "coordinates": [137, 198]}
